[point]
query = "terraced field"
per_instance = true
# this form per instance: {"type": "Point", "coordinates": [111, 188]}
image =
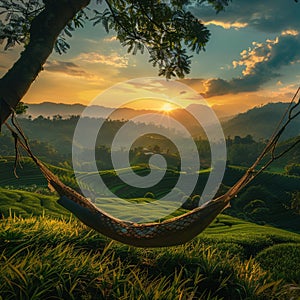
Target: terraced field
{"type": "Point", "coordinates": [28, 173]}
{"type": "Point", "coordinates": [25, 204]}
{"type": "Point", "coordinates": [273, 190]}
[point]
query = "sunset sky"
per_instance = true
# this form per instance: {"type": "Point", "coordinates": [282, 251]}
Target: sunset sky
{"type": "Point", "coordinates": [251, 59]}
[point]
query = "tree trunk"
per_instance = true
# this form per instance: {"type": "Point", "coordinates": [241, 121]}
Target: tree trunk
{"type": "Point", "coordinates": [45, 29]}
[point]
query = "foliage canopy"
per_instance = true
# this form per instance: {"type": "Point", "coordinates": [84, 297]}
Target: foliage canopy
{"type": "Point", "coordinates": [167, 29]}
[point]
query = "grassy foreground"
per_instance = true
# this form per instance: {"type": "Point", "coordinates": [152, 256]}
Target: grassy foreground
{"type": "Point", "coordinates": [47, 258]}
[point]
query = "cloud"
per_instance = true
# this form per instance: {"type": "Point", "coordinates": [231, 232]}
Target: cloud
{"type": "Point", "coordinates": [259, 64]}
{"type": "Point", "coordinates": [148, 84]}
{"type": "Point", "coordinates": [266, 16]}
{"type": "Point", "coordinates": [254, 57]}
{"type": "Point", "coordinates": [227, 25]}
{"type": "Point", "coordinates": [68, 68]}
{"type": "Point", "coordinates": [290, 32]}
{"type": "Point", "coordinates": [195, 83]}
{"type": "Point", "coordinates": [115, 60]}
{"type": "Point", "coordinates": [110, 39]}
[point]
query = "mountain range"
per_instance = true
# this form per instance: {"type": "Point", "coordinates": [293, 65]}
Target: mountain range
{"type": "Point", "coordinates": [50, 109]}
{"type": "Point", "coordinates": [259, 122]}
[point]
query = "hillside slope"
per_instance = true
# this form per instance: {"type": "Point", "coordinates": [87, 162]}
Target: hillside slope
{"type": "Point", "coordinates": [260, 122]}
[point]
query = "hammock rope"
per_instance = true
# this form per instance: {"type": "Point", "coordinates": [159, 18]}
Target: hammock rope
{"type": "Point", "coordinates": [171, 232]}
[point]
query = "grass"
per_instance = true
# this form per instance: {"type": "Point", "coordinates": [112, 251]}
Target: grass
{"type": "Point", "coordinates": [46, 258]}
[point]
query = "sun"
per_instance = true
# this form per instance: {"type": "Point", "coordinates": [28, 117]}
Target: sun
{"type": "Point", "coordinates": [167, 107]}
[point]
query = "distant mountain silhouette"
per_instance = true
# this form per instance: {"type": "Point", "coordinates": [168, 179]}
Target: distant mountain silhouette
{"type": "Point", "coordinates": [161, 118]}
{"type": "Point", "coordinates": [49, 109]}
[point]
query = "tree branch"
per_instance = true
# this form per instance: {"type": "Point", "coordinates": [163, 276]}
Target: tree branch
{"type": "Point", "coordinates": [45, 28]}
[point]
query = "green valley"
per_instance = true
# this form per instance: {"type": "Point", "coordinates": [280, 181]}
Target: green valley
{"type": "Point", "coordinates": [249, 252]}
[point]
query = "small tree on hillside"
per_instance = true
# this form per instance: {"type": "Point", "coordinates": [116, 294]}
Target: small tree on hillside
{"type": "Point", "coordinates": [292, 169]}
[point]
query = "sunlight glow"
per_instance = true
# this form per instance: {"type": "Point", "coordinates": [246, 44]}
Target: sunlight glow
{"type": "Point", "coordinates": [167, 107]}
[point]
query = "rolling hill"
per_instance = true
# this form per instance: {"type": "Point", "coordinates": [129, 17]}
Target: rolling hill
{"type": "Point", "coordinates": [266, 201]}
{"type": "Point", "coordinates": [260, 122]}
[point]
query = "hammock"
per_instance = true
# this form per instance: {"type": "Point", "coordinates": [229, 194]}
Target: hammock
{"type": "Point", "coordinates": [170, 232]}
